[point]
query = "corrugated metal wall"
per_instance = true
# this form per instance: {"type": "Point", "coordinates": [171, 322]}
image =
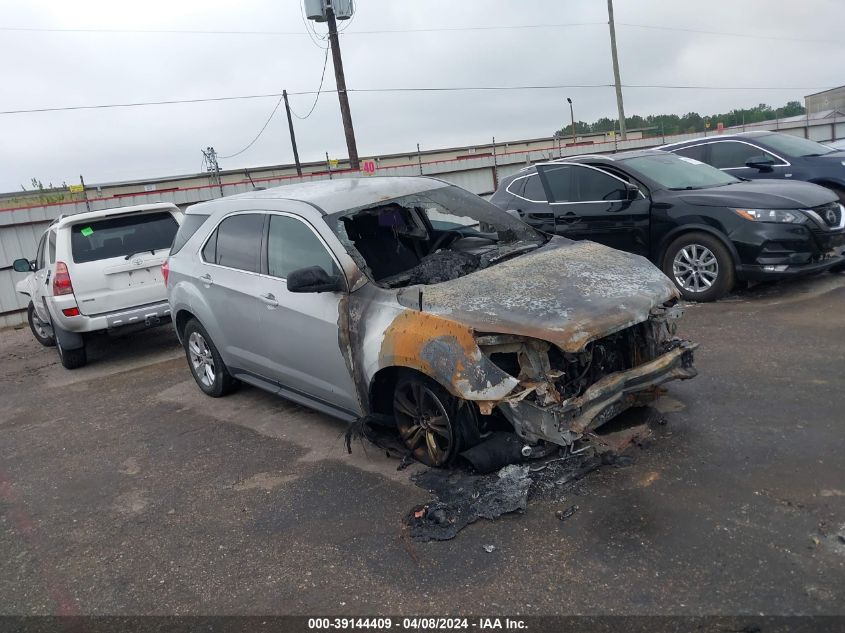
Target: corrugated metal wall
{"type": "Point", "coordinates": [20, 229]}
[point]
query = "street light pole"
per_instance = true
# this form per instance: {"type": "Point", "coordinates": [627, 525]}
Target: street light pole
{"type": "Point", "coordinates": [572, 118]}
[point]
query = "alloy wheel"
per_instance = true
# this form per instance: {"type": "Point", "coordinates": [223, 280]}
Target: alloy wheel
{"type": "Point", "coordinates": [695, 268]}
{"type": "Point", "coordinates": [423, 423]}
{"type": "Point", "coordinates": [39, 327]}
{"type": "Point", "coordinates": [202, 361]}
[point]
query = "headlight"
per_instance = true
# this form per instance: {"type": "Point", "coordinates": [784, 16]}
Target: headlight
{"type": "Point", "coordinates": [789, 216]}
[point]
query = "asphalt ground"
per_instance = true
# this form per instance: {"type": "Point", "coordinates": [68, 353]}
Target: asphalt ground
{"type": "Point", "coordinates": [125, 490]}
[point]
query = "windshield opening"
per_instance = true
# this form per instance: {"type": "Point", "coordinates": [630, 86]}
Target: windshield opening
{"type": "Point", "coordinates": [430, 237]}
{"type": "Point", "coordinates": [679, 172]}
{"type": "Point", "coordinates": [795, 146]}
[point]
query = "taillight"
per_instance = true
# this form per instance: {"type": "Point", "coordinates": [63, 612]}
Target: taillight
{"type": "Point", "coordinates": [71, 311]}
{"type": "Point", "coordinates": [165, 270]}
{"type": "Point", "coordinates": [61, 280]}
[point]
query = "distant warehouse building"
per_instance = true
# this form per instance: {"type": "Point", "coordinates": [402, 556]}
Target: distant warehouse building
{"type": "Point", "coordinates": [833, 99]}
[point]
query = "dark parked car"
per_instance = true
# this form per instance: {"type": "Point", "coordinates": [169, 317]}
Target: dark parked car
{"type": "Point", "coordinates": [758, 155]}
{"type": "Point", "coordinates": [704, 228]}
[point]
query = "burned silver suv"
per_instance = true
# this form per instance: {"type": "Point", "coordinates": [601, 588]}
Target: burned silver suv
{"type": "Point", "coordinates": [412, 300]}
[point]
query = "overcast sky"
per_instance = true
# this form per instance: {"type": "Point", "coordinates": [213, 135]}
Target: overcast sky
{"type": "Point", "coordinates": [55, 69]}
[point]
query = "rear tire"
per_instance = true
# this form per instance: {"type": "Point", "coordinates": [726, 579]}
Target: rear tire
{"type": "Point", "coordinates": [72, 358]}
{"type": "Point", "coordinates": [700, 266]}
{"type": "Point", "coordinates": [38, 327]}
{"type": "Point", "coordinates": [204, 361]}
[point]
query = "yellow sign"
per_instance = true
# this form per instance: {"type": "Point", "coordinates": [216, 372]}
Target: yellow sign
{"type": "Point", "coordinates": [333, 162]}
{"type": "Point", "coordinates": [76, 188]}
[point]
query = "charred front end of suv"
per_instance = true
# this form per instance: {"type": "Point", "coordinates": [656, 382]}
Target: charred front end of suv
{"type": "Point", "coordinates": [562, 396]}
{"type": "Point", "coordinates": [557, 342]}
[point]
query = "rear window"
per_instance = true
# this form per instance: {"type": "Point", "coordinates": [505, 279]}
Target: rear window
{"type": "Point", "coordinates": [122, 236]}
{"type": "Point", "coordinates": [190, 225]}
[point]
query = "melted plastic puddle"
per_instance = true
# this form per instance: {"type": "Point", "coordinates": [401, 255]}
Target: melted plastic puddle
{"type": "Point", "coordinates": [462, 497]}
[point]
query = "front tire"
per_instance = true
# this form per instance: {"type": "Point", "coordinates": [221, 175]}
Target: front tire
{"type": "Point", "coordinates": [40, 330]}
{"type": "Point", "coordinates": [431, 422]}
{"type": "Point", "coordinates": [700, 266]}
{"type": "Point", "coordinates": [206, 365]}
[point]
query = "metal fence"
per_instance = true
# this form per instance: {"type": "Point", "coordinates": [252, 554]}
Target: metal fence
{"type": "Point", "coordinates": [21, 228]}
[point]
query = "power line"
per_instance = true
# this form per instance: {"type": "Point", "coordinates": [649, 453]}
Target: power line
{"type": "Point", "coordinates": [725, 33]}
{"type": "Point", "coordinates": [401, 90]}
{"type": "Point", "coordinates": [319, 90]}
{"type": "Point", "coordinates": [260, 132]}
{"type": "Point", "coordinates": [299, 33]}
{"type": "Point", "coordinates": [313, 34]}
{"type": "Point", "coordinates": [315, 37]}
{"type": "Point", "coordinates": [278, 103]}
{"type": "Point", "coordinates": [27, 29]}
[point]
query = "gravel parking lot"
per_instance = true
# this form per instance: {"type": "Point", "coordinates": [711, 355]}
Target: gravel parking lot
{"type": "Point", "coordinates": [124, 490]}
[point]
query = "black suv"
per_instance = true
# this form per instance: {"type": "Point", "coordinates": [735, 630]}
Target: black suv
{"type": "Point", "coordinates": [758, 155]}
{"type": "Point", "coordinates": [703, 227]}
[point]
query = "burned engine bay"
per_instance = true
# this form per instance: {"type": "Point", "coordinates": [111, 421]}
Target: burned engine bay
{"type": "Point", "coordinates": [564, 395]}
{"type": "Point", "coordinates": [431, 237]}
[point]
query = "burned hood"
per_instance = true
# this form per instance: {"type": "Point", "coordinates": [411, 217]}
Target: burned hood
{"type": "Point", "coordinates": [568, 293]}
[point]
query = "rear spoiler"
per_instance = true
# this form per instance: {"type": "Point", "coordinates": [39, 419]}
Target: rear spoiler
{"type": "Point", "coordinates": [114, 212]}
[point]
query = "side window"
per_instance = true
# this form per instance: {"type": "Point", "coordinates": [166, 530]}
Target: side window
{"type": "Point", "coordinates": [239, 242]}
{"type": "Point", "coordinates": [291, 245]}
{"type": "Point", "coordinates": [39, 256]}
{"type": "Point", "coordinates": [559, 181]}
{"type": "Point", "coordinates": [696, 152]}
{"type": "Point", "coordinates": [592, 185]}
{"type": "Point", "coordinates": [51, 247]}
{"type": "Point", "coordinates": [516, 186]}
{"type": "Point", "coordinates": [534, 189]}
{"type": "Point", "coordinates": [209, 252]}
{"type": "Point", "coordinates": [727, 154]}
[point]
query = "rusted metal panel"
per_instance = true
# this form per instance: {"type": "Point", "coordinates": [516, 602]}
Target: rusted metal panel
{"type": "Point", "coordinates": [568, 293]}
{"type": "Point", "coordinates": [446, 351]}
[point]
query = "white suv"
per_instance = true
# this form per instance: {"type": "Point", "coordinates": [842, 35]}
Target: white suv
{"type": "Point", "coordinates": [99, 270]}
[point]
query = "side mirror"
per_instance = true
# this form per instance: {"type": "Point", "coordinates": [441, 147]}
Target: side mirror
{"type": "Point", "coordinates": [313, 279]}
{"type": "Point", "coordinates": [23, 265]}
{"type": "Point", "coordinates": [631, 191]}
{"type": "Point", "coordinates": [761, 162]}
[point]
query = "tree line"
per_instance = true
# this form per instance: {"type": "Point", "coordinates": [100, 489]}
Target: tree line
{"type": "Point", "coordinates": [668, 124]}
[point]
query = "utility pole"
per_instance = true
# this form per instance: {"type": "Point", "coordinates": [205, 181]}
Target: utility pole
{"type": "Point", "coordinates": [212, 166]}
{"type": "Point", "coordinates": [292, 135]}
{"type": "Point", "coordinates": [85, 192]}
{"type": "Point", "coordinates": [616, 78]}
{"type": "Point", "coordinates": [572, 117]}
{"type": "Point", "coordinates": [345, 114]}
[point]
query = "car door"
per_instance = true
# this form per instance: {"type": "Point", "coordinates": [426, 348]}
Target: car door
{"type": "Point", "coordinates": [228, 278]}
{"type": "Point", "coordinates": [589, 203]}
{"type": "Point", "coordinates": [731, 156]}
{"type": "Point", "coordinates": [39, 281]}
{"type": "Point", "coordinates": [301, 347]}
{"type": "Point", "coordinates": [529, 202]}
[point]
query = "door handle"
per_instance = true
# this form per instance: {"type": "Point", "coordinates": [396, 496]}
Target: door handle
{"type": "Point", "coordinates": [269, 299]}
{"type": "Point", "coordinates": [569, 217]}
{"type": "Point", "coordinates": [206, 279]}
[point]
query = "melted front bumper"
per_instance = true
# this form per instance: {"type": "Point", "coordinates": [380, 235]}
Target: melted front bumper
{"type": "Point", "coordinates": [566, 422]}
